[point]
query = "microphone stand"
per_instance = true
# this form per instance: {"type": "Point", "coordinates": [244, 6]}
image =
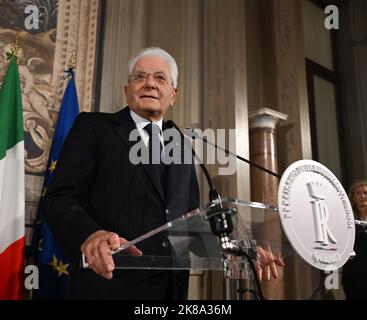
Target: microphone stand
{"type": "Point", "coordinates": [220, 220]}
{"type": "Point", "coordinates": [193, 135]}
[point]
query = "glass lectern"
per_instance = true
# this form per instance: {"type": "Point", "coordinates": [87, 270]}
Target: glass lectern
{"type": "Point", "coordinates": [194, 246]}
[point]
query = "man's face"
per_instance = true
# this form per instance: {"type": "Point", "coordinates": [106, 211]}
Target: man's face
{"type": "Point", "coordinates": [149, 91]}
{"type": "Point", "coordinates": [360, 197]}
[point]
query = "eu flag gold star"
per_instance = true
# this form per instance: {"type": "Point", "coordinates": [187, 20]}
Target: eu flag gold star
{"type": "Point", "coordinates": [53, 166]}
{"type": "Point", "coordinates": [63, 268]}
{"type": "Point", "coordinates": [53, 264]}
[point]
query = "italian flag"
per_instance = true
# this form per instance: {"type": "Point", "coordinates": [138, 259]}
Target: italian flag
{"type": "Point", "coordinates": [11, 186]}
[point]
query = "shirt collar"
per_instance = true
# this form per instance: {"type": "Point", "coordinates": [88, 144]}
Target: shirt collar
{"type": "Point", "coordinates": [142, 122]}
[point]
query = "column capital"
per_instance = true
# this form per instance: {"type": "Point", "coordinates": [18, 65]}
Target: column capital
{"type": "Point", "coordinates": [265, 118]}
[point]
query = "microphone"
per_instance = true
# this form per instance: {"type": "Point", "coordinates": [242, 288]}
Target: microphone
{"type": "Point", "coordinates": [194, 135]}
{"type": "Point", "coordinates": [220, 218]}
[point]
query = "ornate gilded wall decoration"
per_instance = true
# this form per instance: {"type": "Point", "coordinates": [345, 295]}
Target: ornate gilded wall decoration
{"type": "Point", "coordinates": [35, 69]}
{"type": "Point", "coordinates": [65, 26]}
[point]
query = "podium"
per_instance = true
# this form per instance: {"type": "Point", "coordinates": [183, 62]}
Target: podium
{"type": "Point", "coordinates": [194, 246]}
{"type": "Point", "coordinates": [314, 221]}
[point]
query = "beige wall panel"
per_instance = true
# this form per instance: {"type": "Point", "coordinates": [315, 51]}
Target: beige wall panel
{"type": "Point", "coordinates": [318, 45]}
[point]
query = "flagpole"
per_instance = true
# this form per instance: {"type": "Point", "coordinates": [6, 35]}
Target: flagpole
{"type": "Point", "coordinates": [48, 255]}
{"type": "Point", "coordinates": [72, 62]}
{"type": "Point", "coordinates": [12, 195]}
{"type": "Point", "coordinates": [14, 47]}
{"type": "Point", "coordinates": [70, 67]}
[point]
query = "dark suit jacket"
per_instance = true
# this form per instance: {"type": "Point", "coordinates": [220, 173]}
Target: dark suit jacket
{"type": "Point", "coordinates": [354, 271]}
{"type": "Point", "coordinates": [96, 187]}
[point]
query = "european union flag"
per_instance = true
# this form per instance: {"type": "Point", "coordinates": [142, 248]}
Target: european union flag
{"type": "Point", "coordinates": [53, 264]}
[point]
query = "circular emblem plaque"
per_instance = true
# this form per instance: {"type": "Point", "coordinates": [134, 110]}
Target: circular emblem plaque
{"type": "Point", "coordinates": [316, 215]}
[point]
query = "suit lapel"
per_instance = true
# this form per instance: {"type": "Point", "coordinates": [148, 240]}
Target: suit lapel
{"type": "Point", "coordinates": [124, 126]}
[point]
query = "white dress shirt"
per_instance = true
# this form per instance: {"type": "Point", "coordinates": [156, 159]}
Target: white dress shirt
{"type": "Point", "coordinates": [140, 125]}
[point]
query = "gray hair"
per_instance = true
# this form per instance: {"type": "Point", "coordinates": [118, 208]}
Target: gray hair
{"type": "Point", "coordinates": [156, 52]}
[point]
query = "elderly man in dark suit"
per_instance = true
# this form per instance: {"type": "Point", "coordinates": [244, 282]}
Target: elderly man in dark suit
{"type": "Point", "coordinates": [98, 196]}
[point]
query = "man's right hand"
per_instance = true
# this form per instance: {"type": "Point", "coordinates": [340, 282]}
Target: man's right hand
{"type": "Point", "coordinates": [97, 250]}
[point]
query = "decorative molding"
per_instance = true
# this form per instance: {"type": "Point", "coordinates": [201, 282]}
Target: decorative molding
{"type": "Point", "coordinates": [77, 31]}
{"type": "Point", "coordinates": [266, 118]}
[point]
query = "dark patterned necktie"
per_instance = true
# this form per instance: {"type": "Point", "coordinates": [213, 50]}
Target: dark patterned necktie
{"type": "Point", "coordinates": [155, 153]}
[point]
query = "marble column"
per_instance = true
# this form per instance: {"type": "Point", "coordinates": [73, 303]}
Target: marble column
{"type": "Point", "coordinates": [263, 152]}
{"type": "Point", "coordinates": [277, 70]}
{"type": "Point", "coordinates": [264, 187]}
